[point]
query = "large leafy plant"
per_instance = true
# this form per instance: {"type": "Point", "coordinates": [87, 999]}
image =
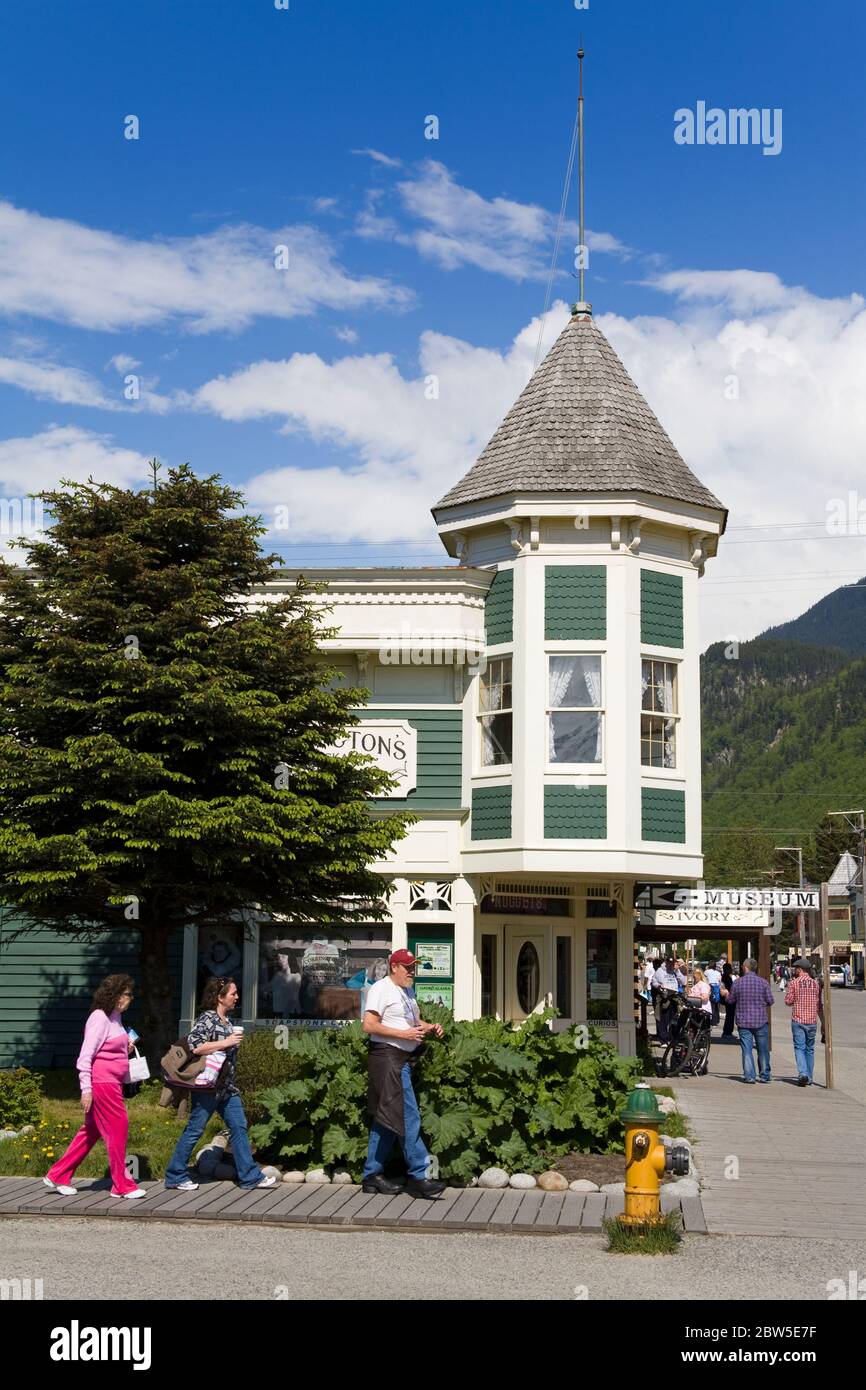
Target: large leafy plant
{"type": "Point", "coordinates": [489, 1094]}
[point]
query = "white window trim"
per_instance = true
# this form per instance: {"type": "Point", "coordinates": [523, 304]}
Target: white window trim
{"type": "Point", "coordinates": [482, 769]}
{"type": "Point", "coordinates": [574, 649]}
{"type": "Point", "coordinates": [674, 773]}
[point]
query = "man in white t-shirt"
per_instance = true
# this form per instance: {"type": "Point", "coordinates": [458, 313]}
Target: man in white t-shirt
{"type": "Point", "coordinates": [395, 1029]}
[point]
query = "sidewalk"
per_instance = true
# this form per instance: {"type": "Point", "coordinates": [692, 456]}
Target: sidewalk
{"type": "Point", "coordinates": [778, 1159]}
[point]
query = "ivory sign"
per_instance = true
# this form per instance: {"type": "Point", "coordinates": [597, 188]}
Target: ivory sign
{"type": "Point", "coordinates": [706, 917]}
{"type": "Point", "coordinates": [393, 747]}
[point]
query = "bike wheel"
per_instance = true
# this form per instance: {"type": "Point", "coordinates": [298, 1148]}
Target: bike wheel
{"type": "Point", "coordinates": [674, 1059]}
{"type": "Point", "coordinates": [699, 1055]}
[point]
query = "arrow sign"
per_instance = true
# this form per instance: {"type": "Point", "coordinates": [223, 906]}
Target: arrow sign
{"type": "Point", "coordinates": [672, 897]}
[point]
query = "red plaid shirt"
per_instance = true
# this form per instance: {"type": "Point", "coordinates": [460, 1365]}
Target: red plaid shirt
{"type": "Point", "coordinates": [804, 994]}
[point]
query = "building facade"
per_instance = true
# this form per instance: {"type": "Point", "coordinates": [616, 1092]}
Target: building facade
{"type": "Point", "coordinates": [538, 705]}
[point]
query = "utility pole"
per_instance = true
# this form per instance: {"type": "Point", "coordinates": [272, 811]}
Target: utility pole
{"type": "Point", "coordinates": [860, 827]}
{"type": "Point", "coordinates": [801, 916]}
{"type": "Point", "coordinates": [828, 1015]}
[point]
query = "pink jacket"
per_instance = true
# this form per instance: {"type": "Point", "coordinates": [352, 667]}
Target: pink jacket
{"type": "Point", "coordinates": [104, 1054]}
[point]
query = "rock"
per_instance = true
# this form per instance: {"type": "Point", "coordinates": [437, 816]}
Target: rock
{"type": "Point", "coordinates": [27, 1129]}
{"type": "Point", "coordinates": [582, 1185]}
{"type": "Point", "coordinates": [225, 1172]}
{"type": "Point", "coordinates": [8, 1134]}
{"type": "Point", "coordinates": [342, 1178]}
{"type": "Point", "coordinates": [271, 1172]}
{"type": "Point", "coordinates": [493, 1177]}
{"type": "Point", "coordinates": [667, 1105]}
{"type": "Point", "coordinates": [293, 1176]}
{"type": "Point", "coordinates": [614, 1188]}
{"type": "Point", "coordinates": [684, 1187]}
{"type": "Point", "coordinates": [553, 1182]}
{"type": "Point", "coordinates": [473, 1182]}
{"type": "Point", "coordinates": [316, 1175]}
{"type": "Point", "coordinates": [521, 1180]}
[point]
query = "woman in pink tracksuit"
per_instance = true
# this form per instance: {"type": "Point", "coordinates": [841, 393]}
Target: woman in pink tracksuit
{"type": "Point", "coordinates": [102, 1064]}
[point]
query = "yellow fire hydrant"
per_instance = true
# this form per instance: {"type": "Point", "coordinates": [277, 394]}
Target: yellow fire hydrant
{"type": "Point", "coordinates": [647, 1159]}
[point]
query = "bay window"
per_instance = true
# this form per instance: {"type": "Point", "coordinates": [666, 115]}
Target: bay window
{"type": "Point", "coordinates": [574, 709]}
{"type": "Point", "coordinates": [659, 714]}
{"type": "Point", "coordinates": [496, 714]}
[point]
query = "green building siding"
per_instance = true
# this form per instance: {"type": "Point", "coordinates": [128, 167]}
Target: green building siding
{"type": "Point", "coordinates": [663, 814]}
{"type": "Point", "coordinates": [575, 813]}
{"type": "Point", "coordinates": [440, 753]}
{"type": "Point", "coordinates": [499, 608]}
{"type": "Point", "coordinates": [575, 603]}
{"type": "Point", "coordinates": [491, 813]}
{"type": "Point", "coordinates": [661, 608]}
{"type": "Point", "coordinates": [46, 982]}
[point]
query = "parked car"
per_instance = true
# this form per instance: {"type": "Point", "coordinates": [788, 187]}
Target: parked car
{"type": "Point", "coordinates": [837, 975]}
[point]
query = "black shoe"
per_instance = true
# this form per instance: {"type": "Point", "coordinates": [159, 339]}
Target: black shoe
{"type": "Point", "coordinates": [802, 1080]}
{"type": "Point", "coordinates": [379, 1183]}
{"type": "Point", "coordinates": [425, 1187]}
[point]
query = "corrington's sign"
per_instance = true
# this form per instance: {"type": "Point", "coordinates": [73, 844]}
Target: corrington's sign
{"type": "Point", "coordinates": [393, 747]}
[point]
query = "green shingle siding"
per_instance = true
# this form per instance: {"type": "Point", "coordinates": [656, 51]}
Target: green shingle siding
{"type": "Point", "coordinates": [491, 813]}
{"type": "Point", "coordinates": [575, 603]}
{"type": "Point", "coordinates": [663, 814]}
{"type": "Point", "coordinates": [661, 608]}
{"type": "Point", "coordinates": [575, 813]}
{"type": "Point", "coordinates": [440, 754]}
{"type": "Point", "coordinates": [46, 982]}
{"type": "Point", "coordinates": [499, 608]}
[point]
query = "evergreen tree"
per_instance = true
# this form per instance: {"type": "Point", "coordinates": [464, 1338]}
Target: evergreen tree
{"type": "Point", "coordinates": [164, 727]}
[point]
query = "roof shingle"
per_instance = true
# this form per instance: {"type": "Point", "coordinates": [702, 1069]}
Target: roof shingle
{"type": "Point", "coordinates": [580, 425]}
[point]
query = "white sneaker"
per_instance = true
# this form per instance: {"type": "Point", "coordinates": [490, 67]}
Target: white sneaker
{"type": "Point", "coordinates": [62, 1187]}
{"type": "Point", "coordinates": [267, 1182]}
{"type": "Point", "coordinates": [188, 1186]}
{"type": "Point", "coordinates": [131, 1196]}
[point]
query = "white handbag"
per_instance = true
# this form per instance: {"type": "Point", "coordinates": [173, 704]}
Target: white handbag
{"type": "Point", "coordinates": [138, 1068]}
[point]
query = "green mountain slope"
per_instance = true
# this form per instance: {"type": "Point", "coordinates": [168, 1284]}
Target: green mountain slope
{"type": "Point", "coordinates": [784, 741]}
{"type": "Point", "coordinates": [837, 620]}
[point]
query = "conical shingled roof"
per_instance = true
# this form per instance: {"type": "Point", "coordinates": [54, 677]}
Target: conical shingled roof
{"type": "Point", "coordinates": [580, 425]}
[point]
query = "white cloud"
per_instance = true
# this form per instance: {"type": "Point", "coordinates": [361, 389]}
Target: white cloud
{"type": "Point", "coordinates": [60, 270]}
{"type": "Point", "coordinates": [50, 382]}
{"type": "Point", "coordinates": [379, 158]}
{"type": "Point", "coordinates": [458, 227]}
{"type": "Point", "coordinates": [123, 363]}
{"type": "Point", "coordinates": [37, 462]}
{"type": "Point", "coordinates": [777, 453]}
{"type": "Point", "coordinates": [346, 334]}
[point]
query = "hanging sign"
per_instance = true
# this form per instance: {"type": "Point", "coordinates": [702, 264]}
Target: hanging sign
{"type": "Point", "coordinates": [671, 896]}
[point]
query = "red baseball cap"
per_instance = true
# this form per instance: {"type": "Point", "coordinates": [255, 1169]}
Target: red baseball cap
{"type": "Point", "coordinates": [401, 957]}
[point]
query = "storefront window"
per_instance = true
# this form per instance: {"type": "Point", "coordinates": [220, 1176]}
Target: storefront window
{"type": "Point", "coordinates": [220, 952]}
{"type": "Point", "coordinates": [601, 1003]}
{"type": "Point", "coordinates": [496, 712]}
{"type": "Point", "coordinates": [563, 976]}
{"type": "Point", "coordinates": [319, 976]}
{"type": "Point", "coordinates": [574, 733]}
{"type": "Point", "coordinates": [528, 977]}
{"type": "Point", "coordinates": [488, 976]}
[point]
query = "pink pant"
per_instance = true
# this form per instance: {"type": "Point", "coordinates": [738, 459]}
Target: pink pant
{"type": "Point", "coordinates": [106, 1119]}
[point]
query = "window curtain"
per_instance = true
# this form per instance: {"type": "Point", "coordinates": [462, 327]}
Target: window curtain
{"type": "Point", "coordinates": [592, 677]}
{"type": "Point", "coordinates": [561, 671]}
{"type": "Point", "coordinates": [491, 688]}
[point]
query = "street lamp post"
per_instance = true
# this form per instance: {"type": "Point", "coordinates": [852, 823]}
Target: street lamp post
{"type": "Point", "coordinates": [801, 916]}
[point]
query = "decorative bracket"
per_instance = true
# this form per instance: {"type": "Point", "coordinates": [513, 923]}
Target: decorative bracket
{"type": "Point", "coordinates": [698, 547]}
{"type": "Point", "coordinates": [615, 533]}
{"type": "Point", "coordinates": [461, 541]}
{"type": "Point", "coordinates": [516, 529]}
{"type": "Point", "coordinates": [634, 524]}
{"type": "Point", "coordinates": [534, 532]}
{"type": "Point", "coordinates": [363, 660]}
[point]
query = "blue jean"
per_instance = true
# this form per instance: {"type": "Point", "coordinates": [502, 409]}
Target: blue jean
{"type": "Point", "coordinates": [804, 1047]}
{"type": "Point", "coordinates": [382, 1140]}
{"type": "Point", "coordinates": [232, 1111]}
{"type": "Point", "coordinates": [761, 1037]}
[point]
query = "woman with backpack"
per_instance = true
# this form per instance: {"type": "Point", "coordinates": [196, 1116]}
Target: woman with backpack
{"type": "Point", "coordinates": [211, 1033]}
{"type": "Point", "coordinates": [103, 1065]}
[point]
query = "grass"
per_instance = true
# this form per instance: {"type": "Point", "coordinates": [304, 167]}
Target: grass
{"type": "Point", "coordinates": [153, 1132]}
{"type": "Point", "coordinates": [662, 1238]}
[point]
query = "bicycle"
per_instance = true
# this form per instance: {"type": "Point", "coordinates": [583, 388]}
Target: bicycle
{"type": "Point", "coordinates": [688, 1050]}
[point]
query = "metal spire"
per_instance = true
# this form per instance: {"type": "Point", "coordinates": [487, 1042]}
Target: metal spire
{"type": "Point", "coordinates": [582, 309]}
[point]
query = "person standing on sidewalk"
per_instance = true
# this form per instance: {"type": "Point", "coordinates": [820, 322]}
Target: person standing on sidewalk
{"type": "Point", "coordinates": [103, 1064]}
{"type": "Point", "coordinates": [667, 982]}
{"type": "Point", "coordinates": [394, 1027]}
{"type": "Point", "coordinates": [213, 1032]}
{"type": "Point", "coordinates": [713, 978]}
{"type": "Point", "coordinates": [725, 990]}
{"type": "Point", "coordinates": [752, 999]}
{"type": "Point", "coordinates": [803, 996]}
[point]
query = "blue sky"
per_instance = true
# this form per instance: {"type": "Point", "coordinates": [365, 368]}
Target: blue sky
{"type": "Point", "coordinates": [154, 256]}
